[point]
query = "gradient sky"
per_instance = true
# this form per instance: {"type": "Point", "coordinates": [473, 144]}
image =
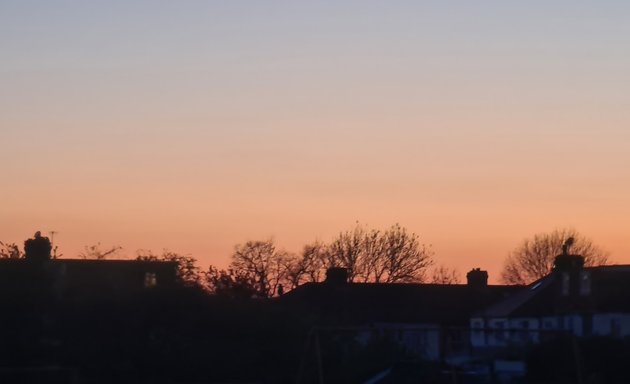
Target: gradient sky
{"type": "Point", "coordinates": [197, 125]}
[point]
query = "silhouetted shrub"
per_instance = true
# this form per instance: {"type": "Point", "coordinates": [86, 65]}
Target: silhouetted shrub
{"type": "Point", "coordinates": [38, 248]}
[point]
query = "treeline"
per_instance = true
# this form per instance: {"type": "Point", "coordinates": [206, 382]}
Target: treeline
{"type": "Point", "coordinates": [393, 255]}
{"type": "Point", "coordinates": [259, 268]}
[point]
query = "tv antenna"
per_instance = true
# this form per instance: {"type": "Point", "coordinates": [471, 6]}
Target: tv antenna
{"type": "Point", "coordinates": [52, 243]}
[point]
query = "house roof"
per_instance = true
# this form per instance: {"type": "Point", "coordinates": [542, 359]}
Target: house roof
{"type": "Point", "coordinates": [609, 293]}
{"type": "Point", "coordinates": [611, 288]}
{"type": "Point", "coordinates": [82, 277]}
{"type": "Point", "coordinates": [113, 263]}
{"type": "Point", "coordinates": [361, 303]}
{"type": "Point", "coordinates": [533, 299]}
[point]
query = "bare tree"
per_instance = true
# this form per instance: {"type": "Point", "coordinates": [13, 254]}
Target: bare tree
{"type": "Point", "coordinates": [9, 251]}
{"type": "Point", "coordinates": [405, 258]}
{"type": "Point", "coordinates": [187, 269]}
{"type": "Point", "coordinates": [95, 252]}
{"type": "Point", "coordinates": [373, 265]}
{"type": "Point", "coordinates": [309, 267]}
{"type": "Point", "coordinates": [389, 256]}
{"type": "Point", "coordinates": [347, 251]}
{"type": "Point", "coordinates": [535, 256]}
{"type": "Point", "coordinates": [369, 255]}
{"type": "Point", "coordinates": [231, 284]}
{"type": "Point", "coordinates": [445, 275]}
{"type": "Point", "coordinates": [263, 263]}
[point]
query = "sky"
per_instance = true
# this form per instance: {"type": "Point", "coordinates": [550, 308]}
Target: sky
{"type": "Point", "coordinates": [197, 125]}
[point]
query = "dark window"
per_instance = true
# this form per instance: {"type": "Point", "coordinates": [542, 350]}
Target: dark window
{"type": "Point", "coordinates": [565, 284]}
{"type": "Point", "coordinates": [585, 283]}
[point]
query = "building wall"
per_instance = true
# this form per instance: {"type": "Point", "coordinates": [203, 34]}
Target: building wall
{"type": "Point", "coordinates": [573, 324]}
{"type": "Point", "coordinates": [524, 330]}
{"type": "Point", "coordinates": [422, 340]}
{"type": "Point", "coordinates": [501, 332]}
{"type": "Point", "coordinates": [611, 324]}
{"type": "Point", "coordinates": [83, 279]}
{"type": "Point", "coordinates": [496, 333]}
{"type": "Point", "coordinates": [550, 323]}
{"type": "Point", "coordinates": [477, 332]}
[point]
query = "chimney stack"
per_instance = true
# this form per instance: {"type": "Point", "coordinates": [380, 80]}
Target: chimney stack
{"type": "Point", "coordinates": [336, 275]}
{"type": "Point", "coordinates": [477, 278]}
{"type": "Point", "coordinates": [567, 262]}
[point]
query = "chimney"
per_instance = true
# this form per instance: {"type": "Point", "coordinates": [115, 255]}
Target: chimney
{"type": "Point", "coordinates": [567, 262]}
{"type": "Point", "coordinates": [570, 271]}
{"type": "Point", "coordinates": [477, 278]}
{"type": "Point", "coordinates": [336, 275]}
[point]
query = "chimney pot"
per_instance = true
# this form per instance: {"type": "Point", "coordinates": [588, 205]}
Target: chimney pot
{"type": "Point", "coordinates": [477, 278]}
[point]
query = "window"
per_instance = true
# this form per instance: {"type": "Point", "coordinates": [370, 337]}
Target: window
{"type": "Point", "coordinates": [585, 283]}
{"type": "Point", "coordinates": [568, 323]}
{"type": "Point", "coordinates": [477, 328]}
{"type": "Point", "coordinates": [615, 327]}
{"type": "Point", "coordinates": [456, 340]}
{"type": "Point", "coordinates": [150, 279]}
{"type": "Point", "coordinates": [524, 335]}
{"type": "Point", "coordinates": [500, 333]}
{"type": "Point", "coordinates": [565, 284]}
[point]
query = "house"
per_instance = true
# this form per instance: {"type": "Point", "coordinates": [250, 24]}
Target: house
{"type": "Point", "coordinates": [428, 320]}
{"type": "Point", "coordinates": [77, 279]}
{"type": "Point", "coordinates": [571, 300]}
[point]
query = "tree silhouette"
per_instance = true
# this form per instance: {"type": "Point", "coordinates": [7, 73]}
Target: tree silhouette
{"type": "Point", "coordinates": [389, 256]}
{"type": "Point", "coordinates": [309, 267]}
{"type": "Point", "coordinates": [348, 250]}
{"type": "Point", "coordinates": [445, 275]}
{"type": "Point", "coordinates": [94, 252]}
{"type": "Point", "coordinates": [38, 248]}
{"type": "Point", "coordinates": [231, 284]}
{"type": "Point", "coordinates": [261, 262]}
{"type": "Point", "coordinates": [369, 255]}
{"type": "Point", "coordinates": [534, 258]}
{"type": "Point", "coordinates": [187, 269]}
{"type": "Point", "coordinates": [9, 251]}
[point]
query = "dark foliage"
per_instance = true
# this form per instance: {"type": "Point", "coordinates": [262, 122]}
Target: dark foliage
{"type": "Point", "coordinates": [230, 284]}
{"type": "Point", "coordinates": [187, 269]}
{"type": "Point", "coordinates": [38, 248]}
{"type": "Point", "coordinates": [9, 251]}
